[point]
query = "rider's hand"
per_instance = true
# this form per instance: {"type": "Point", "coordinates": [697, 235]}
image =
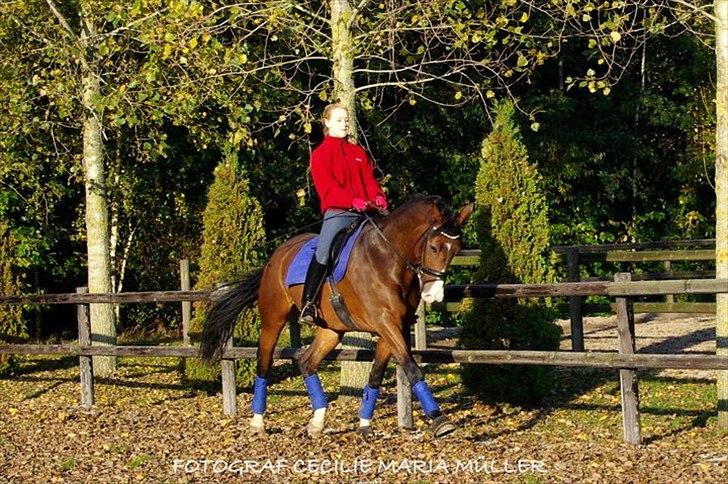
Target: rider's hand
{"type": "Point", "coordinates": [381, 203]}
{"type": "Point", "coordinates": [359, 204]}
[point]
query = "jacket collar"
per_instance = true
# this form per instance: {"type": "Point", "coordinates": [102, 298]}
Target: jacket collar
{"type": "Point", "coordinates": [331, 140]}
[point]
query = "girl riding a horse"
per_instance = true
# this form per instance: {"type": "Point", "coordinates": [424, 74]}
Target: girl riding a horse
{"type": "Point", "coordinates": [344, 180]}
{"type": "Point", "coordinates": [399, 260]}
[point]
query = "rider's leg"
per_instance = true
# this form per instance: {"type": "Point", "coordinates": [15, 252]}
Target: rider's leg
{"type": "Point", "coordinates": [334, 222]}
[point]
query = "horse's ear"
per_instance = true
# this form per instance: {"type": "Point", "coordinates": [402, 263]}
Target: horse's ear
{"type": "Point", "coordinates": [463, 214]}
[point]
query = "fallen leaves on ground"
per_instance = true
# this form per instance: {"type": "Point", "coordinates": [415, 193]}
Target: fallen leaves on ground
{"type": "Point", "coordinates": [149, 426]}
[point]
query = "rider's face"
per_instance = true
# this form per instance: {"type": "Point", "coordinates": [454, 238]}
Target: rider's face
{"type": "Point", "coordinates": [337, 123]}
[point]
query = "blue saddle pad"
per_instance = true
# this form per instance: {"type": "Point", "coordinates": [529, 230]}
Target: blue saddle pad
{"type": "Point", "coordinates": [297, 270]}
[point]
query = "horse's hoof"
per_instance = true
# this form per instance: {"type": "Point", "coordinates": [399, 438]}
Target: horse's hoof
{"type": "Point", "coordinates": [314, 431]}
{"type": "Point", "coordinates": [366, 432]}
{"type": "Point", "coordinates": [442, 426]}
{"type": "Point", "coordinates": [257, 425]}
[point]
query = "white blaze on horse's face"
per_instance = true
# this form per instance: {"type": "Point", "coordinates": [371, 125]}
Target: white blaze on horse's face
{"type": "Point", "coordinates": [438, 253]}
{"type": "Point", "coordinates": [433, 291]}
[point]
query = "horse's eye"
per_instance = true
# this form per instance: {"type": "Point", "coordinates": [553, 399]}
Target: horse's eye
{"type": "Point", "coordinates": [433, 248]}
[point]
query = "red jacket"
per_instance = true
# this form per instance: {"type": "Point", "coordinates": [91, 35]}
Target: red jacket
{"type": "Point", "coordinates": [342, 171]}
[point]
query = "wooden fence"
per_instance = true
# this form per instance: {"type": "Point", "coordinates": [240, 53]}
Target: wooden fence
{"type": "Point", "coordinates": [625, 360]}
{"type": "Point", "coordinates": [576, 256]}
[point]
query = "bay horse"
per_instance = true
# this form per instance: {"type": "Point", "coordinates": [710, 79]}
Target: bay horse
{"type": "Point", "coordinates": [397, 260]}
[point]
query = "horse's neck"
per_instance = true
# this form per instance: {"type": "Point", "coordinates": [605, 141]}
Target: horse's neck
{"type": "Point", "coordinates": [405, 230]}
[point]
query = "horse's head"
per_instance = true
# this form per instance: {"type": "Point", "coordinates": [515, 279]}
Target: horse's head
{"type": "Point", "coordinates": [441, 243]}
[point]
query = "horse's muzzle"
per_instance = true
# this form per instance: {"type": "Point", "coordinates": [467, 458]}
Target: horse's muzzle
{"type": "Point", "coordinates": [433, 291]}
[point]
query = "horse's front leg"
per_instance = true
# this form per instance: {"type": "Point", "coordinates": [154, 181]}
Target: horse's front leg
{"type": "Point", "coordinates": [402, 354]}
{"type": "Point", "coordinates": [324, 341]}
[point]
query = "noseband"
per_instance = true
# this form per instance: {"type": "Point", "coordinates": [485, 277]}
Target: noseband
{"type": "Point", "coordinates": [419, 268]}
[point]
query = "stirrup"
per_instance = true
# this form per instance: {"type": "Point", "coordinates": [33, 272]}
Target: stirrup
{"type": "Point", "coordinates": [309, 313]}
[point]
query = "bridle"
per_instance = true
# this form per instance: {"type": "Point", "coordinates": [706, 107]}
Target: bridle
{"type": "Point", "coordinates": [419, 268]}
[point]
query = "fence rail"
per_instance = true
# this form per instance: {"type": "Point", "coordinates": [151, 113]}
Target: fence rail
{"type": "Point", "coordinates": [597, 359]}
{"type": "Point", "coordinates": [576, 255]}
{"type": "Point", "coordinates": [557, 289]}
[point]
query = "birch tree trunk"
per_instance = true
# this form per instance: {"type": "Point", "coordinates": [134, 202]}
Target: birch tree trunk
{"type": "Point", "coordinates": [343, 56]}
{"type": "Point", "coordinates": [103, 330]}
{"type": "Point", "coordinates": [721, 203]}
{"type": "Point", "coordinates": [354, 375]}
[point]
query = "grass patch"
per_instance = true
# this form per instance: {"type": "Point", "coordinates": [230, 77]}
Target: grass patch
{"type": "Point", "coordinates": [138, 460]}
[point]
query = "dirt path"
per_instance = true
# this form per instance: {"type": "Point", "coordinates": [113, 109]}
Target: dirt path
{"type": "Point", "coordinates": [656, 333]}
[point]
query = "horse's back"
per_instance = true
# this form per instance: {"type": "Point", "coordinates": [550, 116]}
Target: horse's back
{"type": "Point", "coordinates": [284, 254]}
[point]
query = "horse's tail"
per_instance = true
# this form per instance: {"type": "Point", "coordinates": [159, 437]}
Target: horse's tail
{"type": "Point", "coordinates": [221, 318]}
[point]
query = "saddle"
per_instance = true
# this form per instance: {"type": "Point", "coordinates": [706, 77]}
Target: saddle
{"type": "Point", "coordinates": [338, 260]}
{"type": "Point", "coordinates": [337, 246]}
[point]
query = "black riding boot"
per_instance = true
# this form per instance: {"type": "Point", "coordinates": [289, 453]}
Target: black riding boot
{"type": "Point", "coordinates": [314, 277]}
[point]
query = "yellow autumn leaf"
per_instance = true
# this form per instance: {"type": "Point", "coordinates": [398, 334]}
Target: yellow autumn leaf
{"type": "Point", "coordinates": [616, 36]}
{"type": "Point", "coordinates": [307, 128]}
{"type": "Point", "coordinates": [458, 95]}
{"type": "Point", "coordinates": [489, 94]}
{"type": "Point", "coordinates": [524, 17]}
{"type": "Point", "coordinates": [412, 101]}
{"type": "Point", "coordinates": [193, 42]}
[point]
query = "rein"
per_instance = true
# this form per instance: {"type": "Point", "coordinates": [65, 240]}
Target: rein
{"type": "Point", "coordinates": [418, 268]}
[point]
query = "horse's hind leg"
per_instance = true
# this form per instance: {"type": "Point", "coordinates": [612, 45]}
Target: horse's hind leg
{"type": "Point", "coordinates": [371, 390]}
{"type": "Point", "coordinates": [273, 319]}
{"type": "Point", "coordinates": [324, 341]}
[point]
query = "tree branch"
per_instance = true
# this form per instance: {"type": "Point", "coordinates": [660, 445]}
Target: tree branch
{"type": "Point", "coordinates": [61, 18]}
{"type": "Point", "coordinates": [696, 9]}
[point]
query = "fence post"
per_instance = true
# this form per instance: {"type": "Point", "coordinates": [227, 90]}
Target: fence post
{"type": "Point", "coordinates": [404, 400]}
{"type": "Point", "coordinates": [85, 364]}
{"type": "Point", "coordinates": [667, 265]}
{"type": "Point", "coordinates": [404, 389]}
{"type": "Point", "coordinates": [184, 274]}
{"type": "Point", "coordinates": [420, 329]}
{"type": "Point", "coordinates": [575, 302]}
{"type": "Point", "coordinates": [229, 393]}
{"type": "Point", "coordinates": [628, 378]}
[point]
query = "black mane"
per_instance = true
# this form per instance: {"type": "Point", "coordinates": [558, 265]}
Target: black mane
{"type": "Point", "coordinates": [437, 200]}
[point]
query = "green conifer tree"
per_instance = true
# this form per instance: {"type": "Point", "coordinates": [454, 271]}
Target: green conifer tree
{"type": "Point", "coordinates": [12, 326]}
{"type": "Point", "coordinates": [233, 237]}
{"type": "Point", "coordinates": [511, 222]}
